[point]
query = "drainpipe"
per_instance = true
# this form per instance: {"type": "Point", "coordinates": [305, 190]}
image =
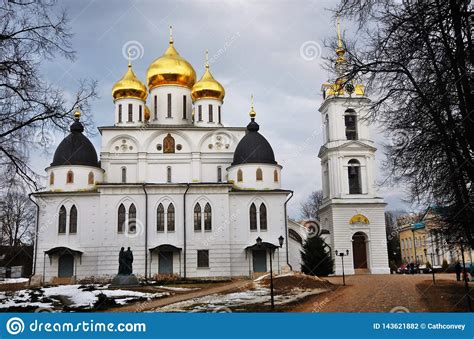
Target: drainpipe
{"type": "Point", "coordinates": [146, 232]}
{"type": "Point", "coordinates": [36, 233]}
{"type": "Point", "coordinates": [184, 230]}
{"type": "Point", "coordinates": [286, 231]}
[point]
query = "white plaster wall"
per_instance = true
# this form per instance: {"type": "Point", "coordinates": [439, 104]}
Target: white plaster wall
{"type": "Point", "coordinates": [136, 103]}
{"type": "Point", "coordinates": [161, 116]}
{"type": "Point", "coordinates": [250, 181]}
{"type": "Point", "coordinates": [204, 103]}
{"type": "Point", "coordinates": [81, 178]}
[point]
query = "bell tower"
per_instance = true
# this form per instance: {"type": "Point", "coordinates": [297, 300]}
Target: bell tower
{"type": "Point", "coordinates": [352, 211]}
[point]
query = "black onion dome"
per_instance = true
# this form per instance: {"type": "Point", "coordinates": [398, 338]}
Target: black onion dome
{"type": "Point", "coordinates": [76, 148]}
{"type": "Point", "coordinates": [253, 148]}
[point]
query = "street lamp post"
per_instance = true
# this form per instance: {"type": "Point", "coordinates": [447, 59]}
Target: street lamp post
{"type": "Point", "coordinates": [432, 265]}
{"type": "Point", "coordinates": [342, 255]}
{"type": "Point", "coordinates": [280, 242]}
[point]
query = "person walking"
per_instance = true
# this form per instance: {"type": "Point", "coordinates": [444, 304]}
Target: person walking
{"type": "Point", "coordinates": [458, 269]}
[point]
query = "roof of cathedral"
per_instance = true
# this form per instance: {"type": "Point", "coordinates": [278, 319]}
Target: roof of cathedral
{"type": "Point", "coordinates": [253, 148]}
{"type": "Point", "coordinates": [76, 148]}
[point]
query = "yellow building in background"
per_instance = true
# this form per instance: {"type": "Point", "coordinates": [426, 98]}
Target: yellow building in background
{"type": "Point", "coordinates": [422, 241]}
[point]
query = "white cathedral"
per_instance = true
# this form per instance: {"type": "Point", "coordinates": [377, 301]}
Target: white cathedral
{"type": "Point", "coordinates": [194, 198]}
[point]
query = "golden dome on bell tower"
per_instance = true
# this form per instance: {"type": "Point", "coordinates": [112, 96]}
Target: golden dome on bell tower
{"type": "Point", "coordinates": [207, 87]}
{"type": "Point", "coordinates": [129, 87]}
{"type": "Point", "coordinates": [170, 69]}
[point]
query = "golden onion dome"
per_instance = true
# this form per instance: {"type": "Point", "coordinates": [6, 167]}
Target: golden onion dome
{"type": "Point", "coordinates": [129, 87]}
{"type": "Point", "coordinates": [170, 69]}
{"type": "Point", "coordinates": [207, 87]}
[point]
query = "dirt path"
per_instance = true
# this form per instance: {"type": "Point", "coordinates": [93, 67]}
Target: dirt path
{"type": "Point", "coordinates": [384, 293]}
{"type": "Point", "coordinates": [152, 304]}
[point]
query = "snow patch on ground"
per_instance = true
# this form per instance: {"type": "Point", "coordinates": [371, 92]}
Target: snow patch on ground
{"type": "Point", "coordinates": [179, 289]}
{"type": "Point", "coordinates": [14, 280]}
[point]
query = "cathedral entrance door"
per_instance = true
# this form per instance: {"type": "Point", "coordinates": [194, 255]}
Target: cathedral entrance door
{"type": "Point", "coordinates": [66, 266]}
{"type": "Point", "coordinates": [165, 262]}
{"type": "Point", "coordinates": [259, 260]}
{"type": "Point", "coordinates": [359, 250]}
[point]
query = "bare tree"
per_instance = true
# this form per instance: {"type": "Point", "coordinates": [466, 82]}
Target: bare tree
{"type": "Point", "coordinates": [310, 207]}
{"type": "Point", "coordinates": [418, 57]}
{"type": "Point", "coordinates": [30, 107]}
{"type": "Point", "coordinates": [17, 218]}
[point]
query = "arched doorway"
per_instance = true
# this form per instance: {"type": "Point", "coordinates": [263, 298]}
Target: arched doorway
{"type": "Point", "coordinates": [66, 266]}
{"type": "Point", "coordinates": [359, 250]}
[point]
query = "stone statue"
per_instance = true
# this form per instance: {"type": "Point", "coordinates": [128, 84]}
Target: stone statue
{"type": "Point", "coordinates": [125, 276]}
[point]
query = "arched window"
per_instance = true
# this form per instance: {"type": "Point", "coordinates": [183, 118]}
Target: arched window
{"type": "Point", "coordinates": [169, 106]}
{"type": "Point", "coordinates": [275, 176]}
{"type": "Point", "coordinates": [168, 144]}
{"type": "Point", "coordinates": [130, 112]}
{"type": "Point", "coordinates": [168, 174]}
{"type": "Point", "coordinates": [207, 217]}
{"type": "Point", "coordinates": [62, 220]}
{"type": "Point", "coordinates": [124, 175]}
{"type": "Point", "coordinates": [121, 218]}
{"type": "Point", "coordinates": [120, 113]}
{"type": "Point", "coordinates": [51, 178]}
{"type": "Point", "coordinates": [132, 219]}
{"type": "Point", "coordinates": [240, 175]}
{"type": "Point", "coordinates": [350, 119]}
{"type": "Point", "coordinates": [263, 217]}
{"type": "Point", "coordinates": [73, 220]}
{"type": "Point", "coordinates": [253, 217]}
{"type": "Point", "coordinates": [219, 174]}
{"type": "Point", "coordinates": [160, 218]}
{"type": "Point", "coordinates": [353, 172]}
{"type": "Point", "coordinates": [211, 115]}
{"type": "Point", "coordinates": [259, 174]}
{"type": "Point", "coordinates": [184, 107]}
{"type": "Point", "coordinates": [170, 218]}
{"type": "Point", "coordinates": [70, 177]}
{"type": "Point", "coordinates": [90, 178]}
{"type": "Point", "coordinates": [197, 217]}
{"type": "Point", "coordinates": [326, 125]}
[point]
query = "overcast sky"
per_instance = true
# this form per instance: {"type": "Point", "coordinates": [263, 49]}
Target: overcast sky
{"type": "Point", "coordinates": [271, 49]}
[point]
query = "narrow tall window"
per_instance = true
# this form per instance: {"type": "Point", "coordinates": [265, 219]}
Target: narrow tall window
{"type": "Point", "coordinates": [197, 217]}
{"type": "Point", "coordinates": [263, 217]}
{"type": "Point", "coordinates": [253, 217]}
{"type": "Point", "coordinates": [168, 174]}
{"type": "Point", "coordinates": [240, 175]}
{"type": "Point", "coordinates": [350, 119]}
{"type": "Point", "coordinates": [169, 105]}
{"type": "Point", "coordinates": [353, 172]}
{"type": "Point", "coordinates": [203, 258]}
{"type": "Point", "coordinates": [200, 113]}
{"type": "Point", "coordinates": [70, 177]}
{"type": "Point", "coordinates": [51, 178]}
{"type": "Point", "coordinates": [259, 174]}
{"type": "Point", "coordinates": [62, 220]}
{"type": "Point", "coordinates": [121, 218]}
{"type": "Point", "coordinates": [130, 112]}
{"type": "Point", "coordinates": [90, 178]}
{"type": "Point", "coordinates": [184, 107]}
{"type": "Point", "coordinates": [132, 219]}
{"type": "Point", "coordinates": [160, 218]}
{"type": "Point", "coordinates": [219, 174]}
{"type": "Point", "coordinates": [211, 114]}
{"type": "Point", "coordinates": [155, 107]}
{"type": "Point", "coordinates": [124, 175]}
{"type": "Point", "coordinates": [170, 219]}
{"type": "Point", "coordinates": [326, 125]}
{"type": "Point", "coordinates": [140, 113]}
{"type": "Point", "coordinates": [219, 114]}
{"type": "Point", "coordinates": [73, 220]}
{"type": "Point", "coordinates": [207, 217]}
{"type": "Point", "coordinates": [275, 176]}
{"type": "Point", "coordinates": [120, 113]}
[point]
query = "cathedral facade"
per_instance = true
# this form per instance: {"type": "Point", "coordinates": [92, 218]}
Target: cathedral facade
{"type": "Point", "coordinates": [189, 196]}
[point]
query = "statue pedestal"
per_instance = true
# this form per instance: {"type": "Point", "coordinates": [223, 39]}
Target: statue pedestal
{"type": "Point", "coordinates": [125, 280]}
